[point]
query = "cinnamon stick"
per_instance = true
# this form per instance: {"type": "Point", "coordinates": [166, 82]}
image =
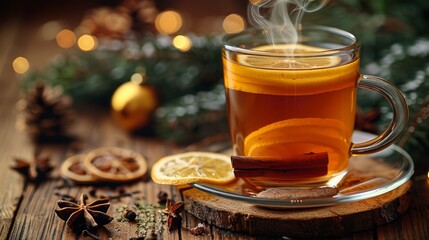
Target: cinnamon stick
{"type": "Point", "coordinates": [282, 174]}
{"type": "Point", "coordinates": [296, 161]}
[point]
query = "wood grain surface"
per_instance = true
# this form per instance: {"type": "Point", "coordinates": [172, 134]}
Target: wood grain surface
{"type": "Point", "coordinates": [330, 221]}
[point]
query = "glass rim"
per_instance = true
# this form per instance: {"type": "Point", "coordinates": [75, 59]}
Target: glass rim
{"type": "Point", "coordinates": [353, 46]}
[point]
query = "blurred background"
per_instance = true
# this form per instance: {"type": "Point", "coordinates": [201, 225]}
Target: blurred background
{"type": "Point", "coordinates": [92, 49]}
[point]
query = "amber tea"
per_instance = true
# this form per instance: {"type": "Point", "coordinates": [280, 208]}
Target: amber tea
{"type": "Point", "coordinates": [291, 108]}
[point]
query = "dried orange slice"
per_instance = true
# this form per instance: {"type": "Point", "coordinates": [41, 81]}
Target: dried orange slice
{"type": "Point", "coordinates": [115, 164]}
{"type": "Point", "coordinates": [192, 167]}
{"type": "Point", "coordinates": [73, 169]}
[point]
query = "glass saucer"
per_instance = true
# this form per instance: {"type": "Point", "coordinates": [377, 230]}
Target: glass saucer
{"type": "Point", "coordinates": [368, 176]}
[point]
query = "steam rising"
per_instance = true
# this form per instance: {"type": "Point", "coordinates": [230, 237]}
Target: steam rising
{"type": "Point", "coordinates": [281, 18]}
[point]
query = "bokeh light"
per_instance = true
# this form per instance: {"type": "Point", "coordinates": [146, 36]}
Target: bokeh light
{"type": "Point", "coordinates": [168, 22]}
{"type": "Point", "coordinates": [20, 65]}
{"type": "Point", "coordinates": [182, 43]}
{"type": "Point", "coordinates": [233, 23]}
{"type": "Point", "coordinates": [66, 38]}
{"type": "Point", "coordinates": [87, 42]}
{"type": "Point", "coordinates": [137, 78]}
{"type": "Point", "coordinates": [50, 29]}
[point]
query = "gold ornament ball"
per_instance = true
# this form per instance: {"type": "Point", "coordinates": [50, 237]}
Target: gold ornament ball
{"type": "Point", "coordinates": [133, 105]}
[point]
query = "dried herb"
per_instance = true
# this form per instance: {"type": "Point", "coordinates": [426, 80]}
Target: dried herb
{"type": "Point", "coordinates": [35, 170]}
{"type": "Point", "coordinates": [81, 215]}
{"type": "Point", "coordinates": [149, 218]}
{"type": "Point", "coordinates": [173, 210]}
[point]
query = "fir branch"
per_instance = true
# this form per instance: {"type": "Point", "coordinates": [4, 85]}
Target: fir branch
{"type": "Point", "coordinates": [193, 117]}
{"type": "Point", "coordinates": [406, 66]}
{"type": "Point", "coordinates": [94, 76]}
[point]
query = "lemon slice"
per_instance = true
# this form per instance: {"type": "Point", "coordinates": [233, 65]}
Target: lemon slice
{"type": "Point", "coordinates": [192, 167]}
{"type": "Point", "coordinates": [287, 60]}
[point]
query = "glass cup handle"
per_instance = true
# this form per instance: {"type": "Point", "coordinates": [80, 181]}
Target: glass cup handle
{"type": "Point", "coordinates": [400, 115]}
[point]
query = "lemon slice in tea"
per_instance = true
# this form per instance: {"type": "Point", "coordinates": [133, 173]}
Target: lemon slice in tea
{"type": "Point", "coordinates": [292, 56]}
{"type": "Point", "coordinates": [192, 167]}
{"type": "Point", "coordinates": [300, 136]}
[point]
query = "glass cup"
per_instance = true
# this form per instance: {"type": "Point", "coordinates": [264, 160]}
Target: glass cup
{"type": "Point", "coordinates": [291, 107]}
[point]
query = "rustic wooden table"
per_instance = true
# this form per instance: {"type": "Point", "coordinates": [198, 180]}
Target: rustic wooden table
{"type": "Point", "coordinates": [27, 210]}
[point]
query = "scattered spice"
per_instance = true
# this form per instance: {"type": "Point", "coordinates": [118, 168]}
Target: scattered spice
{"type": "Point", "coordinates": [80, 216]}
{"type": "Point", "coordinates": [162, 197]}
{"type": "Point", "coordinates": [35, 170]}
{"type": "Point", "coordinates": [86, 233]}
{"type": "Point", "coordinates": [173, 210]}
{"type": "Point", "coordinates": [122, 194]}
{"type": "Point", "coordinates": [130, 215]}
{"type": "Point", "coordinates": [200, 229]}
{"type": "Point", "coordinates": [93, 192]}
{"type": "Point", "coordinates": [122, 191]}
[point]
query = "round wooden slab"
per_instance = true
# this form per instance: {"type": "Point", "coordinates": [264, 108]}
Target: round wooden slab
{"type": "Point", "coordinates": [336, 220]}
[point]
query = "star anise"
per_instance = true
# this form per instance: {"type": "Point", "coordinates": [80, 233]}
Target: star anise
{"type": "Point", "coordinates": [173, 210]}
{"type": "Point", "coordinates": [35, 170]}
{"type": "Point", "coordinates": [81, 215]}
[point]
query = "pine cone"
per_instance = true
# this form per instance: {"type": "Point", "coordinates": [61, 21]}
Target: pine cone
{"type": "Point", "coordinates": [44, 113]}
